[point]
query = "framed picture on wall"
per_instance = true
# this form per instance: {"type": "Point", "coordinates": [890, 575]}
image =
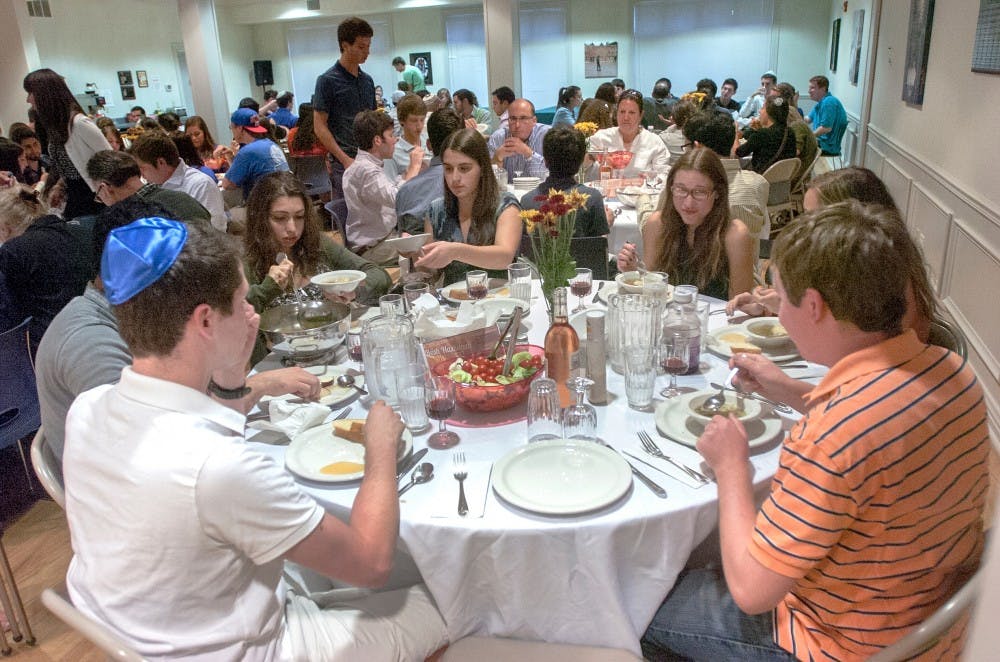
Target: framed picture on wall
{"type": "Point", "coordinates": [918, 49]}
{"type": "Point", "coordinates": [986, 50]}
{"type": "Point", "coordinates": [128, 92]}
{"type": "Point", "coordinates": [834, 45]}
{"type": "Point", "coordinates": [422, 61]}
{"type": "Point", "coordinates": [124, 77]}
{"type": "Point", "coordinates": [858, 30]}
{"type": "Point", "coordinates": [141, 79]}
{"type": "Point", "coordinates": [600, 60]}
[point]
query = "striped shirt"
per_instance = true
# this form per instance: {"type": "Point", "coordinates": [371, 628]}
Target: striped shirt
{"type": "Point", "coordinates": [876, 507]}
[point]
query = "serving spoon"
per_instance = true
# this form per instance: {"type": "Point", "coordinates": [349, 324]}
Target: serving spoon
{"type": "Point", "coordinates": [421, 474]}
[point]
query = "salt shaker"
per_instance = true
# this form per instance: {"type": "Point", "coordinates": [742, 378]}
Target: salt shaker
{"type": "Point", "coordinates": [544, 413]}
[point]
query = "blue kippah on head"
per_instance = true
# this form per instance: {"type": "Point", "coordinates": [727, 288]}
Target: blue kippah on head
{"type": "Point", "coordinates": [138, 254]}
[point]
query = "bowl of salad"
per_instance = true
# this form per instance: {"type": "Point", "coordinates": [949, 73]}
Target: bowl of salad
{"type": "Point", "coordinates": [479, 386]}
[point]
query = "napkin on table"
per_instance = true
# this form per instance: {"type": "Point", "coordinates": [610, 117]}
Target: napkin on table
{"type": "Point", "coordinates": [686, 456]}
{"type": "Point", "coordinates": [431, 322]}
{"type": "Point", "coordinates": [443, 494]}
{"type": "Point", "coordinates": [291, 418]}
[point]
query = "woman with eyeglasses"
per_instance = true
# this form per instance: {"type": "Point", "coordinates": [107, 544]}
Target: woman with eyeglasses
{"type": "Point", "coordinates": [691, 236]}
{"type": "Point", "coordinates": [649, 154]}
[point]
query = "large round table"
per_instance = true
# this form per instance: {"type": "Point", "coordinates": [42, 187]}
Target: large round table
{"type": "Point", "coordinates": [594, 579]}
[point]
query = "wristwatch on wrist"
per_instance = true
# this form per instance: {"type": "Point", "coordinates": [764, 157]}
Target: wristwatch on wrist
{"type": "Point", "coordinates": [228, 393]}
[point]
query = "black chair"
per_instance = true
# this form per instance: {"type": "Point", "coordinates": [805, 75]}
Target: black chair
{"type": "Point", "coordinates": [311, 171]}
{"type": "Point", "coordinates": [338, 216]}
{"type": "Point", "coordinates": [589, 253]}
{"type": "Point", "coordinates": [19, 413]}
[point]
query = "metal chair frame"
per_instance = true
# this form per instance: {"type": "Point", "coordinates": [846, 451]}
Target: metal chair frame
{"type": "Point", "coordinates": [94, 631]}
{"type": "Point", "coordinates": [47, 468]}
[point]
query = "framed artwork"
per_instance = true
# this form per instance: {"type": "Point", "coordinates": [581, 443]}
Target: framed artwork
{"type": "Point", "coordinates": [124, 77]}
{"type": "Point", "coordinates": [834, 45]}
{"type": "Point", "coordinates": [600, 60]}
{"type": "Point", "coordinates": [858, 30]}
{"type": "Point", "coordinates": [986, 50]}
{"type": "Point", "coordinates": [918, 48]}
{"type": "Point", "coordinates": [141, 79]}
{"type": "Point", "coordinates": [422, 61]}
{"type": "Point", "coordinates": [128, 92]}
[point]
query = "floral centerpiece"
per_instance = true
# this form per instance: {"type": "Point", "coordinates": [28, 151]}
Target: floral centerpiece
{"type": "Point", "coordinates": [550, 228]}
{"type": "Point", "coordinates": [587, 129]}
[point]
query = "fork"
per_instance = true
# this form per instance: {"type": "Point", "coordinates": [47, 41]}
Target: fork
{"type": "Point", "coordinates": [342, 415]}
{"type": "Point", "coordinates": [650, 447]}
{"type": "Point", "coordinates": [458, 463]}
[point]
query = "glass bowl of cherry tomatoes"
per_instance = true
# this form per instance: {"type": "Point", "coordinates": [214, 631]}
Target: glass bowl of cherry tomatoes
{"type": "Point", "coordinates": [479, 386]}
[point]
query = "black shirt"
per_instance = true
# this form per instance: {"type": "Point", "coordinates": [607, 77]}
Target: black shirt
{"type": "Point", "coordinates": [766, 146]}
{"type": "Point", "coordinates": [342, 95]}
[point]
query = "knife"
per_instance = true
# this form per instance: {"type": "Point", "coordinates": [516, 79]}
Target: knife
{"type": "Point", "coordinates": [657, 490]}
{"type": "Point", "coordinates": [600, 284]}
{"type": "Point", "coordinates": [410, 463]}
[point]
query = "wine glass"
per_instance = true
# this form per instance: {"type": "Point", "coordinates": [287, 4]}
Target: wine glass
{"type": "Point", "coordinates": [674, 352]}
{"type": "Point", "coordinates": [580, 419]}
{"type": "Point", "coordinates": [439, 396]}
{"type": "Point", "coordinates": [580, 286]}
{"type": "Point", "coordinates": [354, 349]}
{"type": "Point", "coordinates": [477, 284]}
{"type": "Point", "coordinates": [413, 291]}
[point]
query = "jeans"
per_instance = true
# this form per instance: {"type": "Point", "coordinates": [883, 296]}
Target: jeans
{"type": "Point", "coordinates": [700, 621]}
{"type": "Point", "coordinates": [336, 179]}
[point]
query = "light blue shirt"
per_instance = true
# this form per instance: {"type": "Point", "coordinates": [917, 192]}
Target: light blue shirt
{"type": "Point", "coordinates": [531, 167]}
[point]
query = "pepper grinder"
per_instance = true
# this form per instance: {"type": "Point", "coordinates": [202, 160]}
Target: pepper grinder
{"type": "Point", "coordinates": [597, 362]}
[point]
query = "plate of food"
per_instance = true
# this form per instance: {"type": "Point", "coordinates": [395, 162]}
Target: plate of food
{"type": "Point", "coordinates": [335, 453]}
{"type": "Point", "coordinates": [629, 195]}
{"type": "Point", "coordinates": [604, 294]}
{"type": "Point", "coordinates": [733, 339]}
{"type": "Point", "coordinates": [675, 421]}
{"type": "Point", "coordinates": [458, 292]}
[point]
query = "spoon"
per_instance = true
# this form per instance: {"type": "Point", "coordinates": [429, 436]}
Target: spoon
{"type": "Point", "coordinates": [778, 406]}
{"type": "Point", "coordinates": [714, 403]}
{"type": "Point", "coordinates": [345, 381]}
{"type": "Point", "coordinates": [421, 474]}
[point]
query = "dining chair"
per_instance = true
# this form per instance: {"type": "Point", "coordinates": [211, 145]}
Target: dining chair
{"type": "Point", "coordinates": [13, 606]}
{"type": "Point", "coordinates": [338, 216]}
{"type": "Point", "coordinates": [311, 171]}
{"type": "Point", "coordinates": [589, 252]}
{"type": "Point", "coordinates": [801, 183]}
{"type": "Point", "coordinates": [47, 468]}
{"type": "Point", "coordinates": [946, 334]}
{"type": "Point", "coordinates": [496, 649]}
{"type": "Point", "coordinates": [927, 634]}
{"type": "Point", "coordinates": [19, 413]}
{"type": "Point", "coordinates": [57, 601]}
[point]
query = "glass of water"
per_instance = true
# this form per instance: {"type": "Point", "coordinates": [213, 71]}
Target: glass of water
{"type": "Point", "coordinates": [519, 282]}
{"type": "Point", "coordinates": [410, 393]}
{"type": "Point", "coordinates": [391, 304]}
{"type": "Point", "coordinates": [640, 373]}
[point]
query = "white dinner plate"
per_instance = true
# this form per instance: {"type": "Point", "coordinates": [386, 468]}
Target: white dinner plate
{"type": "Point", "coordinates": [409, 244]}
{"type": "Point", "coordinates": [716, 343]}
{"type": "Point", "coordinates": [358, 322]}
{"type": "Point", "coordinates": [611, 287]}
{"type": "Point", "coordinates": [331, 395]}
{"type": "Point", "coordinates": [498, 289]}
{"type": "Point", "coordinates": [317, 447]}
{"type": "Point", "coordinates": [673, 420]}
{"type": "Point", "coordinates": [561, 477]}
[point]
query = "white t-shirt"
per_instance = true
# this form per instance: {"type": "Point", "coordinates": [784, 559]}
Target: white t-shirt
{"type": "Point", "coordinates": [178, 528]}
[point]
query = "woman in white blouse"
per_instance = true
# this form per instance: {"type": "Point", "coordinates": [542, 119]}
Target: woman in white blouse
{"type": "Point", "coordinates": [649, 154]}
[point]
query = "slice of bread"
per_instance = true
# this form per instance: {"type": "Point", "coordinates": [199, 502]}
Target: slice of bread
{"type": "Point", "coordinates": [352, 429]}
{"type": "Point", "coordinates": [744, 348]}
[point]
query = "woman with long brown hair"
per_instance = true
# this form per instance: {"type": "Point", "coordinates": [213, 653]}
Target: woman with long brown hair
{"type": "Point", "coordinates": [302, 140]}
{"type": "Point", "coordinates": [691, 237]}
{"type": "Point", "coordinates": [197, 130]}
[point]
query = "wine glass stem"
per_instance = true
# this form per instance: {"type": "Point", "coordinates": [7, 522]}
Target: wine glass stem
{"type": "Point", "coordinates": [673, 381]}
{"type": "Point", "coordinates": [441, 425]}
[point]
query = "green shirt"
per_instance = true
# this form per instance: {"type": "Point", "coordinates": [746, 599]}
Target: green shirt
{"type": "Point", "coordinates": [413, 76]}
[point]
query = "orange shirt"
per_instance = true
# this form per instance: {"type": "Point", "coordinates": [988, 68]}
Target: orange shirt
{"type": "Point", "coordinates": [876, 507]}
{"type": "Point", "coordinates": [317, 148]}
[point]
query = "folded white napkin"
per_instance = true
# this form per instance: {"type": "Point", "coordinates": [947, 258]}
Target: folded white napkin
{"type": "Point", "coordinates": [431, 322]}
{"type": "Point", "coordinates": [682, 455]}
{"type": "Point", "coordinates": [291, 418]}
{"type": "Point", "coordinates": [444, 490]}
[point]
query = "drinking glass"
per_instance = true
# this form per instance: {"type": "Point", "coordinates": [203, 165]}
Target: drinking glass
{"type": "Point", "coordinates": [439, 396]}
{"type": "Point", "coordinates": [391, 304]}
{"type": "Point", "coordinates": [410, 390]}
{"type": "Point", "coordinates": [413, 291]}
{"type": "Point", "coordinates": [354, 348]}
{"type": "Point", "coordinates": [674, 353]}
{"type": "Point", "coordinates": [580, 286]}
{"type": "Point", "coordinates": [704, 309]}
{"type": "Point", "coordinates": [580, 419]}
{"type": "Point", "coordinates": [477, 284]}
{"type": "Point", "coordinates": [640, 373]}
{"type": "Point", "coordinates": [544, 414]}
{"type": "Point", "coordinates": [519, 282]}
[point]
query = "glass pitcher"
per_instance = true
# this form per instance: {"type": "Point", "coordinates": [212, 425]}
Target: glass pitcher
{"type": "Point", "coordinates": [387, 347]}
{"type": "Point", "coordinates": [632, 320]}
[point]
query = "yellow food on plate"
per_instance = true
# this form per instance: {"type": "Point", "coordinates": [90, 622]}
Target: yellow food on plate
{"type": "Point", "coordinates": [726, 409]}
{"type": "Point", "coordinates": [342, 468]}
{"type": "Point", "coordinates": [732, 337]}
{"type": "Point", "coordinates": [744, 348]}
{"type": "Point", "coordinates": [350, 429]}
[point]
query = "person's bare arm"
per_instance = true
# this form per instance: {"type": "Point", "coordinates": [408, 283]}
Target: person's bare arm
{"type": "Point", "coordinates": [360, 552]}
{"type": "Point", "coordinates": [326, 138]}
{"type": "Point", "coordinates": [652, 237]}
{"type": "Point", "coordinates": [821, 130]}
{"type": "Point", "coordinates": [439, 254]}
{"type": "Point", "coordinates": [739, 252]}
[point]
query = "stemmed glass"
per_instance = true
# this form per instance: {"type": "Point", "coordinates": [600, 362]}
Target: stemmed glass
{"type": "Point", "coordinates": [674, 352]}
{"type": "Point", "coordinates": [439, 396]}
{"type": "Point", "coordinates": [477, 284]}
{"type": "Point", "coordinates": [580, 286]}
{"type": "Point", "coordinates": [354, 349]}
{"type": "Point", "coordinates": [580, 419]}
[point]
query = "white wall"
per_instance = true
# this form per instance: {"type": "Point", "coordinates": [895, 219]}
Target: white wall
{"type": "Point", "coordinates": [238, 53]}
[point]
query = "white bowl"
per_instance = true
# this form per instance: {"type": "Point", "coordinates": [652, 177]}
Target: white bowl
{"type": "Point", "coordinates": [750, 409]}
{"type": "Point", "coordinates": [630, 282]}
{"type": "Point", "coordinates": [766, 331]}
{"type": "Point", "coordinates": [338, 282]}
{"type": "Point", "coordinates": [409, 244]}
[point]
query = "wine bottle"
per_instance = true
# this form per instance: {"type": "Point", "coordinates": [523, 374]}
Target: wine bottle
{"type": "Point", "coordinates": [561, 347]}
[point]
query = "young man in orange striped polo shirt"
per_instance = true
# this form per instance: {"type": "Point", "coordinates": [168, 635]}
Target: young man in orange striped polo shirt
{"type": "Point", "coordinates": [875, 513]}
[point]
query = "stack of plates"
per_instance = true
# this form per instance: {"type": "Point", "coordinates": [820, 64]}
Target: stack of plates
{"type": "Point", "coordinates": [526, 184]}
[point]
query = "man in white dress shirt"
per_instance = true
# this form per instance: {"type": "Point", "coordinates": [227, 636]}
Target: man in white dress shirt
{"type": "Point", "coordinates": [161, 164]}
{"type": "Point", "coordinates": [180, 529]}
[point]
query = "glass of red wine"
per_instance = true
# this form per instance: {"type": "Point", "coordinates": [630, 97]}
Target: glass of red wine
{"type": "Point", "coordinates": [354, 348]}
{"type": "Point", "coordinates": [674, 352]}
{"type": "Point", "coordinates": [439, 396]}
{"type": "Point", "coordinates": [477, 284]}
{"type": "Point", "coordinates": [580, 286]}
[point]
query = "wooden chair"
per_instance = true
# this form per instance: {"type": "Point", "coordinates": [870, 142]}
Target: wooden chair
{"type": "Point", "coordinates": [47, 468]}
{"type": "Point", "coordinates": [589, 253]}
{"type": "Point", "coordinates": [96, 633]}
{"type": "Point", "coordinates": [930, 631]}
{"type": "Point", "coordinates": [800, 185]}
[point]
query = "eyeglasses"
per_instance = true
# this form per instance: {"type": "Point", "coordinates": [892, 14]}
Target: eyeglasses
{"type": "Point", "coordinates": [699, 194]}
{"type": "Point", "coordinates": [521, 119]}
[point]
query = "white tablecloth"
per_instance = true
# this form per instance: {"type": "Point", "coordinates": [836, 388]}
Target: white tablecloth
{"type": "Point", "coordinates": [594, 579]}
{"type": "Point", "coordinates": [625, 228]}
